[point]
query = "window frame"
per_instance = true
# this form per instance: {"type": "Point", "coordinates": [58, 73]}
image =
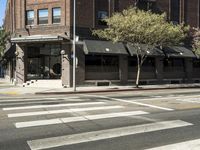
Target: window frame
{"type": "Point", "coordinates": [39, 16]}
{"type": "Point", "coordinates": [27, 20]}
{"type": "Point", "coordinates": [54, 16]}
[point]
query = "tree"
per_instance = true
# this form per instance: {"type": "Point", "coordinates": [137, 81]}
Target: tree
{"type": "Point", "coordinates": [194, 39]}
{"type": "Point", "coordinates": [138, 27]}
{"type": "Point", "coordinates": [3, 40]}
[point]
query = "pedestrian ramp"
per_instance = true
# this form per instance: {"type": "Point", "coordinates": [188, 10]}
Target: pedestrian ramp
{"type": "Point", "coordinates": [85, 112]}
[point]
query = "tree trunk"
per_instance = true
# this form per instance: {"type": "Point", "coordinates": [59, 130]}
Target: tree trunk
{"type": "Point", "coordinates": [138, 76]}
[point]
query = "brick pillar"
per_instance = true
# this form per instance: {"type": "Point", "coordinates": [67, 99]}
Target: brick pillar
{"type": "Point", "coordinates": [159, 69]}
{"type": "Point", "coordinates": [80, 65]}
{"type": "Point", "coordinates": [188, 69]}
{"type": "Point", "coordinates": [123, 69]}
{"type": "Point", "coordinates": [21, 64]}
{"type": "Point", "coordinates": [66, 66]}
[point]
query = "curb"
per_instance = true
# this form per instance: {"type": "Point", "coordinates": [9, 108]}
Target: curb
{"type": "Point", "coordinates": [113, 90]}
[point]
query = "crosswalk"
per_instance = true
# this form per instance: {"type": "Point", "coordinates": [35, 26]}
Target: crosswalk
{"type": "Point", "coordinates": [30, 111]}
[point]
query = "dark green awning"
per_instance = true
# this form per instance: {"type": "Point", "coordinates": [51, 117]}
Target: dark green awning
{"type": "Point", "coordinates": [104, 47]}
{"type": "Point", "coordinates": [177, 51]}
{"type": "Point", "coordinates": [151, 52]}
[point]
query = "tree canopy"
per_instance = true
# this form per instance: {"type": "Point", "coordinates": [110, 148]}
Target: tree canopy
{"type": "Point", "coordinates": [3, 40]}
{"type": "Point", "coordinates": [139, 27]}
{"type": "Point", "coordinates": [142, 27]}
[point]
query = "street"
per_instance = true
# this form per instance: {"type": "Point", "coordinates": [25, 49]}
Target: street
{"type": "Point", "coordinates": [134, 120]}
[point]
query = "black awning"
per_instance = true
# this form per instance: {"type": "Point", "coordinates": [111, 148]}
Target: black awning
{"type": "Point", "coordinates": [177, 51]}
{"type": "Point", "coordinates": [104, 47]}
{"type": "Point", "coordinates": [151, 52]}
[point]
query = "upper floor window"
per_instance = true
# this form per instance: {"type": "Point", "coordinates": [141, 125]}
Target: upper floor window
{"type": "Point", "coordinates": [43, 16]}
{"type": "Point", "coordinates": [30, 17]}
{"type": "Point", "coordinates": [101, 12]}
{"type": "Point", "coordinates": [56, 15]}
{"type": "Point", "coordinates": [175, 11]}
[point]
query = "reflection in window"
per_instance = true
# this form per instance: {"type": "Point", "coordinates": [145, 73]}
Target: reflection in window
{"type": "Point", "coordinates": [30, 17]}
{"type": "Point", "coordinates": [56, 15]}
{"type": "Point", "coordinates": [43, 16]}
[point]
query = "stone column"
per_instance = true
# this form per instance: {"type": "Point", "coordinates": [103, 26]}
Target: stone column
{"type": "Point", "coordinates": [188, 69]}
{"type": "Point", "coordinates": [21, 64]}
{"type": "Point", "coordinates": [66, 66]}
{"type": "Point", "coordinates": [159, 69]}
{"type": "Point", "coordinates": [80, 65]}
{"type": "Point", "coordinates": [123, 69]}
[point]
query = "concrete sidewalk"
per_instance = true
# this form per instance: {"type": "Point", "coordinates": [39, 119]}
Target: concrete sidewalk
{"type": "Point", "coordinates": [8, 89]}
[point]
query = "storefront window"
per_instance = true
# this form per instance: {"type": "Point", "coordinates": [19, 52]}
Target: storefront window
{"type": "Point", "coordinates": [44, 62]}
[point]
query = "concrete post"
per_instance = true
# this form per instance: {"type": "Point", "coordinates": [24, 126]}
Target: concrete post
{"type": "Point", "coordinates": [21, 64]}
{"type": "Point", "coordinates": [80, 65]}
{"type": "Point", "coordinates": [123, 69]}
{"type": "Point", "coordinates": [66, 66]}
{"type": "Point", "coordinates": [159, 69]}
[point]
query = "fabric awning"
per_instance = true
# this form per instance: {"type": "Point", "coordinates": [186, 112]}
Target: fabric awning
{"type": "Point", "coordinates": [37, 38]}
{"type": "Point", "coordinates": [154, 52]}
{"type": "Point", "coordinates": [104, 47]}
{"type": "Point", "coordinates": [177, 51]}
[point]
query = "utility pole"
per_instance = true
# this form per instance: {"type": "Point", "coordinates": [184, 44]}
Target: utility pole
{"type": "Point", "coordinates": [74, 47]}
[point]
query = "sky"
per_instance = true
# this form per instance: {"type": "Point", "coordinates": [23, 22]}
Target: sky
{"type": "Point", "coordinates": [2, 10]}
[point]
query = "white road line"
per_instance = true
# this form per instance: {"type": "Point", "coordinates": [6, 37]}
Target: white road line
{"type": "Point", "coordinates": [76, 119]}
{"type": "Point", "coordinates": [134, 102]}
{"type": "Point", "coordinates": [36, 99]}
{"type": "Point", "coordinates": [56, 105]}
{"type": "Point", "coordinates": [190, 100]}
{"type": "Point", "coordinates": [103, 134]}
{"type": "Point", "coordinates": [188, 145]}
{"type": "Point", "coordinates": [61, 111]}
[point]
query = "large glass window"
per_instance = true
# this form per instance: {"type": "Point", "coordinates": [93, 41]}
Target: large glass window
{"type": "Point", "coordinates": [29, 17]}
{"type": "Point", "coordinates": [101, 9]}
{"type": "Point", "coordinates": [175, 11]}
{"type": "Point", "coordinates": [56, 15]}
{"type": "Point", "coordinates": [44, 62]}
{"type": "Point", "coordinates": [43, 16]}
{"type": "Point", "coordinates": [172, 64]}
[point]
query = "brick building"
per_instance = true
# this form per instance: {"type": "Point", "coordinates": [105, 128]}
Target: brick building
{"type": "Point", "coordinates": [41, 29]}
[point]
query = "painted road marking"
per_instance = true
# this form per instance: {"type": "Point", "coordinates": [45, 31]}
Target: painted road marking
{"type": "Point", "coordinates": [190, 100]}
{"type": "Point", "coordinates": [188, 145]}
{"type": "Point", "coordinates": [56, 105]}
{"type": "Point", "coordinates": [13, 99]}
{"type": "Point", "coordinates": [76, 119]}
{"type": "Point", "coordinates": [104, 134]}
{"type": "Point", "coordinates": [61, 111]}
{"type": "Point", "coordinates": [134, 102]}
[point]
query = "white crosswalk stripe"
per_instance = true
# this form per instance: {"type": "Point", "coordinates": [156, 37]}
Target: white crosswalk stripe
{"type": "Point", "coordinates": [75, 119]}
{"type": "Point", "coordinates": [188, 145]}
{"type": "Point", "coordinates": [53, 142]}
{"type": "Point", "coordinates": [35, 113]}
{"type": "Point", "coordinates": [55, 105]}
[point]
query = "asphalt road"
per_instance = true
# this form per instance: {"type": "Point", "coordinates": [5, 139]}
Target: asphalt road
{"type": "Point", "coordinates": [150, 120]}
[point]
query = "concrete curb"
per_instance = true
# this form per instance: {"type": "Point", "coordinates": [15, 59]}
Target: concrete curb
{"type": "Point", "coordinates": [114, 90]}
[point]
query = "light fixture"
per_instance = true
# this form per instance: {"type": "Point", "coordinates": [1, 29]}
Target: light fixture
{"type": "Point", "coordinates": [62, 52]}
{"type": "Point", "coordinates": [181, 53]}
{"type": "Point", "coordinates": [16, 53]}
{"type": "Point", "coordinates": [107, 49]}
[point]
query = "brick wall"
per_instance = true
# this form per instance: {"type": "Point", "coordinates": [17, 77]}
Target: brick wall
{"type": "Point", "coordinates": [85, 14]}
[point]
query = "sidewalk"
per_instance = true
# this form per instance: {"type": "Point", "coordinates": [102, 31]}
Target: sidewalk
{"type": "Point", "coordinates": [9, 89]}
